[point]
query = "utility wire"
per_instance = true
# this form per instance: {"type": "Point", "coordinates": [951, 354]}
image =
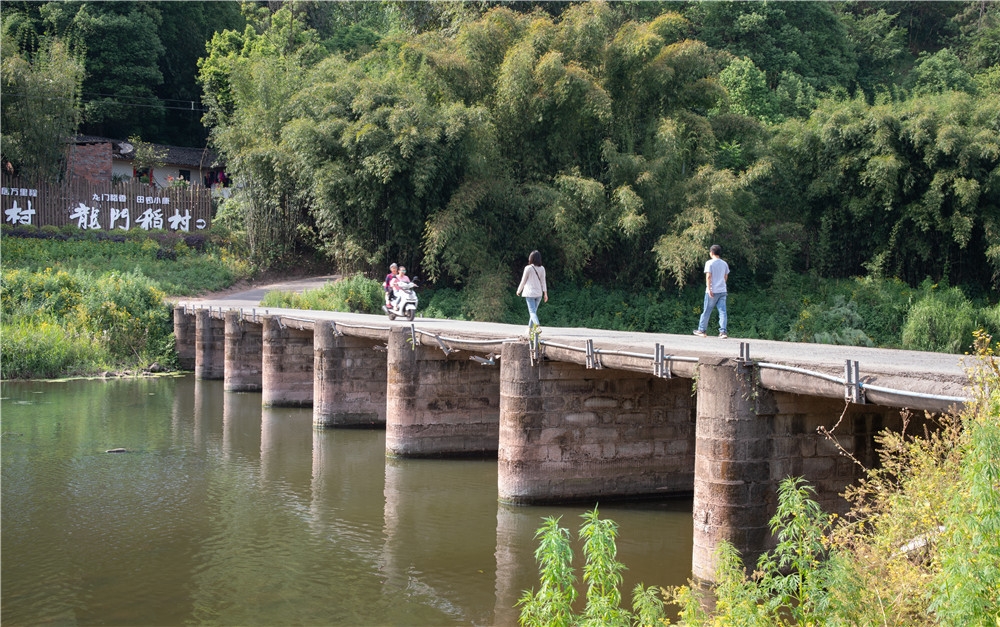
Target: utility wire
{"type": "Point", "coordinates": [192, 108]}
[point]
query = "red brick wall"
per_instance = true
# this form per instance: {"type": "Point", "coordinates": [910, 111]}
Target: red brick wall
{"type": "Point", "coordinates": [91, 162]}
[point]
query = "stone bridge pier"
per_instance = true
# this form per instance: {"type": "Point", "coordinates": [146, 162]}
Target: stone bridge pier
{"type": "Point", "coordinates": [244, 354]}
{"type": "Point", "coordinates": [349, 384]}
{"type": "Point", "coordinates": [287, 377]}
{"type": "Point", "coordinates": [749, 439]}
{"type": "Point", "coordinates": [209, 346]}
{"type": "Point", "coordinates": [439, 404]}
{"type": "Point", "coordinates": [185, 329]}
{"type": "Point", "coordinates": [568, 433]}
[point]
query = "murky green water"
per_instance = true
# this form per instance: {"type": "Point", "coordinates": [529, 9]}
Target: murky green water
{"type": "Point", "coordinates": [225, 513]}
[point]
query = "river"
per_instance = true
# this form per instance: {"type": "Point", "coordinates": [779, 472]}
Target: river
{"type": "Point", "coordinates": [221, 512]}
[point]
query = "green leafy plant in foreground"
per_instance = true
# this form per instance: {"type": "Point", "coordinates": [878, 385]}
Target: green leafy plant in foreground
{"type": "Point", "coordinates": [552, 605]}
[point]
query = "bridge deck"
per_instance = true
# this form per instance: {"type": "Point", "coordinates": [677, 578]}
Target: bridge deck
{"type": "Point", "coordinates": [916, 372]}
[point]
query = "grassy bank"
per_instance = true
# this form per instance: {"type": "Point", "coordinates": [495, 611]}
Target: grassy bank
{"type": "Point", "coordinates": [82, 303]}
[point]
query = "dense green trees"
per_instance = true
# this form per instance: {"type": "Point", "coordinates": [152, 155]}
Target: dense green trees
{"type": "Point", "coordinates": [40, 105]}
{"type": "Point", "coordinates": [620, 139]}
{"type": "Point", "coordinates": [620, 147]}
{"type": "Point", "coordinates": [140, 60]}
{"type": "Point", "coordinates": [913, 184]}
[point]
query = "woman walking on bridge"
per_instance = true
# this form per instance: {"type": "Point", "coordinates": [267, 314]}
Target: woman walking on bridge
{"type": "Point", "coordinates": [533, 289]}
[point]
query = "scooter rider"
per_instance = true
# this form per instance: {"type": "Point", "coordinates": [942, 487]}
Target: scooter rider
{"type": "Point", "coordinates": [387, 285]}
{"type": "Point", "coordinates": [394, 284]}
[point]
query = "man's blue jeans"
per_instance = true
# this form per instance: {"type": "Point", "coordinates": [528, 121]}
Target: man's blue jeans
{"type": "Point", "coordinates": [714, 302]}
{"type": "Point", "coordinates": [533, 309]}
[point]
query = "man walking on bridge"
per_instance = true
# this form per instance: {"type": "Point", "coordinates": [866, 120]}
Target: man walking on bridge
{"type": "Point", "coordinates": [716, 274]}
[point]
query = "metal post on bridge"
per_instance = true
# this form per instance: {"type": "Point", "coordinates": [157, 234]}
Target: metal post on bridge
{"type": "Point", "coordinates": [853, 392]}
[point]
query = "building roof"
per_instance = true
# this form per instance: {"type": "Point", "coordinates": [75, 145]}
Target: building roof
{"type": "Point", "coordinates": [176, 155]}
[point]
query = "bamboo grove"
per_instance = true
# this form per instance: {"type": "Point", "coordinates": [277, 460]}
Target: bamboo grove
{"type": "Point", "coordinates": [620, 140]}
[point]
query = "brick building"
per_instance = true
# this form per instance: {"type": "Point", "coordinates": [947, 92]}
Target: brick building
{"type": "Point", "coordinates": [105, 160]}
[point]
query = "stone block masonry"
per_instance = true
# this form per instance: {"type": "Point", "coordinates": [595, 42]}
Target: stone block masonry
{"type": "Point", "coordinates": [185, 329]}
{"type": "Point", "coordinates": [568, 433]}
{"type": "Point", "coordinates": [287, 379]}
{"type": "Point", "coordinates": [349, 384]}
{"type": "Point", "coordinates": [750, 439]}
{"type": "Point", "coordinates": [209, 346]}
{"type": "Point", "coordinates": [244, 354]}
{"type": "Point", "coordinates": [439, 404]}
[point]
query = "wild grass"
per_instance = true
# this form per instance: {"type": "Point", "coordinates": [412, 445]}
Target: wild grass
{"type": "Point", "coordinates": [352, 294]}
{"type": "Point", "coordinates": [180, 266]}
{"type": "Point", "coordinates": [860, 312]}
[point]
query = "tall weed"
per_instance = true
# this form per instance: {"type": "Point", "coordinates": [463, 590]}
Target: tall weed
{"type": "Point", "coordinates": [552, 604]}
{"type": "Point", "coordinates": [44, 348]}
{"type": "Point", "coordinates": [942, 320]}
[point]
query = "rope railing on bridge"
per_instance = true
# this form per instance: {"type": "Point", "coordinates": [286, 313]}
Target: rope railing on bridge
{"type": "Point", "coordinates": [854, 387]}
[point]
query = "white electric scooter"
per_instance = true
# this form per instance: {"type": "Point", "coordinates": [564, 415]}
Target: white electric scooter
{"type": "Point", "coordinates": [405, 304]}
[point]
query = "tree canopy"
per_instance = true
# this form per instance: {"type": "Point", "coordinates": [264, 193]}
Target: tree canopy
{"type": "Point", "coordinates": [619, 139]}
{"type": "Point", "coordinates": [620, 144]}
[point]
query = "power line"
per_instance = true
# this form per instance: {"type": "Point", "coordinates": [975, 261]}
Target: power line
{"type": "Point", "coordinates": [192, 108]}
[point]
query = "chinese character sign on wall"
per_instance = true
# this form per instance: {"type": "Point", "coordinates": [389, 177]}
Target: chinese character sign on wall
{"type": "Point", "coordinates": [134, 208]}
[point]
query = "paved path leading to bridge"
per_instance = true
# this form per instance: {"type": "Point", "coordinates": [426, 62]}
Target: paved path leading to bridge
{"type": "Point", "coordinates": [917, 371]}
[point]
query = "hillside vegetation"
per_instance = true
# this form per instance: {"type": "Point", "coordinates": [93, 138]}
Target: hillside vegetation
{"type": "Point", "coordinates": [817, 140]}
{"type": "Point", "coordinates": [845, 155]}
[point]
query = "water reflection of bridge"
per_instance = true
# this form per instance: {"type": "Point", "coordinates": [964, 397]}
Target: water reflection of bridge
{"type": "Point", "coordinates": [314, 472]}
{"type": "Point", "coordinates": [585, 414]}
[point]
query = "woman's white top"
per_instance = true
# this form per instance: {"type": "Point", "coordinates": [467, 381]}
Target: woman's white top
{"type": "Point", "coordinates": [532, 282]}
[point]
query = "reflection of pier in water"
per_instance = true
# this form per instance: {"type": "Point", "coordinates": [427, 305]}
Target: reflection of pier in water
{"type": "Point", "coordinates": [404, 543]}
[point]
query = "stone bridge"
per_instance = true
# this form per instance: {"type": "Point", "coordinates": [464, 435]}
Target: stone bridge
{"type": "Point", "coordinates": [588, 415]}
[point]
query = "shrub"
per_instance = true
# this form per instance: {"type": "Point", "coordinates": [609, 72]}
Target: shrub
{"type": "Point", "coordinates": [882, 305]}
{"type": "Point", "coordinates": [942, 320]}
{"type": "Point", "coordinates": [129, 313]}
{"type": "Point", "coordinates": [836, 323]}
{"type": "Point", "coordinates": [44, 348]}
{"type": "Point", "coordinates": [354, 294]}
{"type": "Point", "coordinates": [445, 303]}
